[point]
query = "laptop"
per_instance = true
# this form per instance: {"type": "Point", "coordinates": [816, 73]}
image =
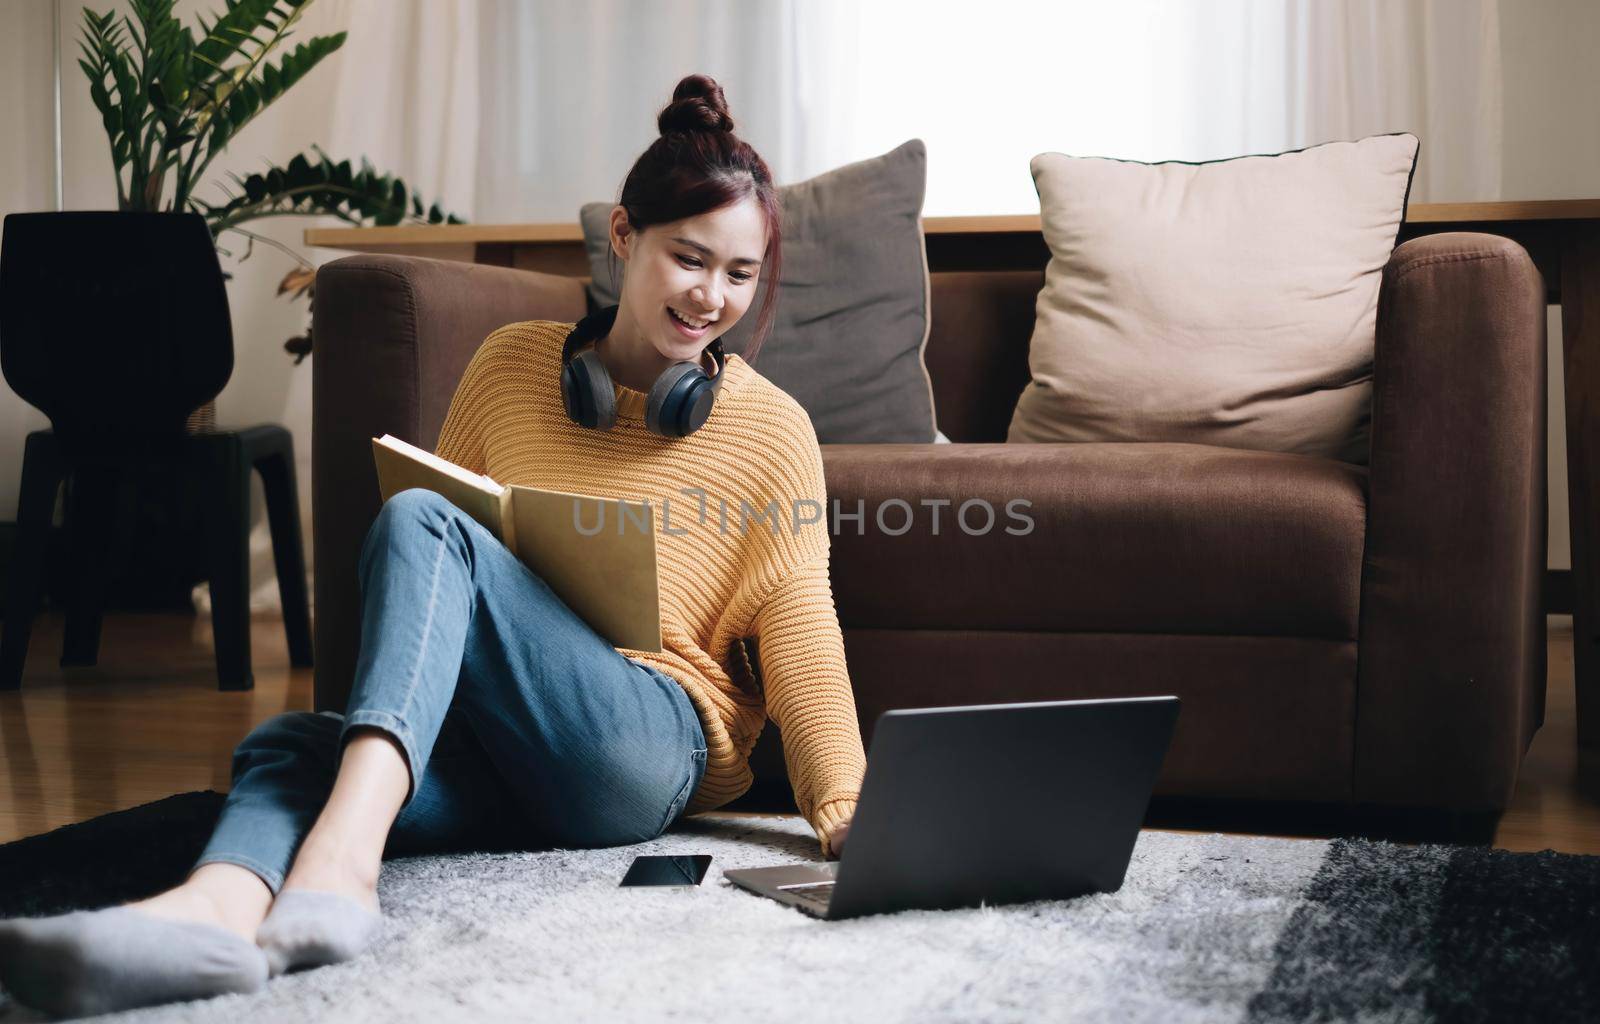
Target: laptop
{"type": "Point", "coordinates": [990, 804]}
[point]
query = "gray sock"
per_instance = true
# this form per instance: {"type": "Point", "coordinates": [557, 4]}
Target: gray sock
{"type": "Point", "coordinates": [308, 928]}
{"type": "Point", "coordinates": [98, 961]}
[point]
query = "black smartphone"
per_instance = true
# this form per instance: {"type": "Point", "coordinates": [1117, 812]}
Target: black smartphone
{"type": "Point", "coordinates": [667, 870]}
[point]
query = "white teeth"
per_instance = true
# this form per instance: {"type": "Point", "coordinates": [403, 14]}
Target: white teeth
{"type": "Point", "coordinates": [696, 324]}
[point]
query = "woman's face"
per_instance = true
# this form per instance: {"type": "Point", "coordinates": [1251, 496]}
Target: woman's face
{"type": "Point", "coordinates": [705, 267]}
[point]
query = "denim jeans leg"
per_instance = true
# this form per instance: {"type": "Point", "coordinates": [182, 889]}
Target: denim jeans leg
{"type": "Point", "coordinates": [284, 769]}
{"type": "Point", "coordinates": [417, 572]}
{"type": "Point", "coordinates": [557, 738]}
{"type": "Point", "coordinates": [609, 758]}
{"type": "Point", "coordinates": [282, 772]}
{"type": "Point", "coordinates": [596, 748]}
{"type": "Point", "coordinates": [462, 804]}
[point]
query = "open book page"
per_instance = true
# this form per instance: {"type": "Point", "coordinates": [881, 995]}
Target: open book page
{"type": "Point", "coordinates": [597, 554]}
{"type": "Point", "coordinates": [402, 465]}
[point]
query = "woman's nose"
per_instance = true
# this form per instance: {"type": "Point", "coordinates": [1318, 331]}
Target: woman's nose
{"type": "Point", "coordinates": [709, 298]}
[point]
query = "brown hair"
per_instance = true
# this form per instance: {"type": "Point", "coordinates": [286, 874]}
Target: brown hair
{"type": "Point", "coordinates": [698, 165]}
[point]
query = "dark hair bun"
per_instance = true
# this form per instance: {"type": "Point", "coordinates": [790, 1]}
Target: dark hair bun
{"type": "Point", "coordinates": [697, 106]}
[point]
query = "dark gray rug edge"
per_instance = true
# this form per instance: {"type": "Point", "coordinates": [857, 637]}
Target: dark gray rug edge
{"type": "Point", "coordinates": [1443, 933]}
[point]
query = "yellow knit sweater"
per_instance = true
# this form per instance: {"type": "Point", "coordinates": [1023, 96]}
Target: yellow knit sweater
{"type": "Point", "coordinates": [758, 575]}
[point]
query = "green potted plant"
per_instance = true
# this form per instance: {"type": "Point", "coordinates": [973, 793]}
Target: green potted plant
{"type": "Point", "coordinates": [172, 100]}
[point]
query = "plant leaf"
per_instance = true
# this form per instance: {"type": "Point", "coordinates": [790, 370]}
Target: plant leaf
{"type": "Point", "coordinates": [322, 186]}
{"type": "Point", "coordinates": [297, 281]}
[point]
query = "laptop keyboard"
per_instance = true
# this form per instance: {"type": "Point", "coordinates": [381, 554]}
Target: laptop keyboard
{"type": "Point", "coordinates": [816, 894]}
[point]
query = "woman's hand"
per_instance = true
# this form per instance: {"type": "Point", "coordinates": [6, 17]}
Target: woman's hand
{"type": "Point", "coordinates": [836, 839]}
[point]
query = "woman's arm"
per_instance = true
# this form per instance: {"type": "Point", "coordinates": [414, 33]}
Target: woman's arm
{"type": "Point", "coordinates": [807, 688]}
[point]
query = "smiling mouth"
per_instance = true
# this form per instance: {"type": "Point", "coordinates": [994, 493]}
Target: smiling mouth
{"type": "Point", "coordinates": [677, 318]}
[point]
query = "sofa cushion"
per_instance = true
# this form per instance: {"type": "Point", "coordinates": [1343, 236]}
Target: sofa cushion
{"type": "Point", "coordinates": [1264, 717]}
{"type": "Point", "coordinates": [1138, 538]}
{"type": "Point", "coordinates": [1229, 303]}
{"type": "Point", "coordinates": [853, 304]}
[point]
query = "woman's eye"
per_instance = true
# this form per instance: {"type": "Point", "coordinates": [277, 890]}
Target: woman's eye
{"type": "Point", "coordinates": [690, 261]}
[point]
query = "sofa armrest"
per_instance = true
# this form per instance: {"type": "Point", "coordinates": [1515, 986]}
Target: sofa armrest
{"type": "Point", "coordinates": [1452, 643]}
{"type": "Point", "coordinates": [392, 335]}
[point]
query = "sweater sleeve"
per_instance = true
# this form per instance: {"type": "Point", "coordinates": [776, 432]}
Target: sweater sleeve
{"type": "Point", "coordinates": [807, 688]}
{"type": "Point", "coordinates": [461, 438]}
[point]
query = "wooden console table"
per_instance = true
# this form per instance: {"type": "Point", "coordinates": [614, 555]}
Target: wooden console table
{"type": "Point", "coordinates": [1562, 236]}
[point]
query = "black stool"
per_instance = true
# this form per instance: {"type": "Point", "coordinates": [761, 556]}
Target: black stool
{"type": "Point", "coordinates": [99, 529]}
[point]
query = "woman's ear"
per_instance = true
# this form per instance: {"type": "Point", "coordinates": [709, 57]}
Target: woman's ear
{"type": "Point", "coordinates": [622, 233]}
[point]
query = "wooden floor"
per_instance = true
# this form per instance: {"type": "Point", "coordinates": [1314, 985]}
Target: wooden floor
{"type": "Point", "coordinates": [148, 722]}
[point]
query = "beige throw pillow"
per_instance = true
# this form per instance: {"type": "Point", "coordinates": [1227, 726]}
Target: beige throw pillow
{"type": "Point", "coordinates": [1229, 303]}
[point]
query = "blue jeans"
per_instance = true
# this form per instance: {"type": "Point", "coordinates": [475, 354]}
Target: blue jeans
{"type": "Point", "coordinates": [522, 727]}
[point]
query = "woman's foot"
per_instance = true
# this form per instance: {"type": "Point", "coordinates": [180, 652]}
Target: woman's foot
{"type": "Point", "coordinates": [311, 928]}
{"type": "Point", "coordinates": [187, 903]}
{"type": "Point", "coordinates": [327, 911]}
{"type": "Point", "coordinates": [99, 961]}
{"type": "Point", "coordinates": [324, 867]}
{"type": "Point", "coordinates": [225, 895]}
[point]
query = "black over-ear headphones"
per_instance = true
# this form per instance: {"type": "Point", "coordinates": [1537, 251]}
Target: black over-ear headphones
{"type": "Point", "coordinates": [678, 403]}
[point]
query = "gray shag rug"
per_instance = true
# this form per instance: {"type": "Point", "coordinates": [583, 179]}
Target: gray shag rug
{"type": "Point", "coordinates": [1205, 928]}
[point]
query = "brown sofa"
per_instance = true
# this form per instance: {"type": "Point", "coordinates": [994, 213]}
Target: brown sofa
{"type": "Point", "coordinates": [1339, 634]}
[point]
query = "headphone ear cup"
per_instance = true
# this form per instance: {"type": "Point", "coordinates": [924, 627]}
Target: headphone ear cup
{"type": "Point", "coordinates": [694, 405]}
{"type": "Point", "coordinates": [571, 390]}
{"type": "Point", "coordinates": [672, 398]}
{"type": "Point", "coordinates": [587, 392]}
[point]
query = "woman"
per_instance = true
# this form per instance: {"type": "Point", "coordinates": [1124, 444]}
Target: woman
{"type": "Point", "coordinates": [484, 713]}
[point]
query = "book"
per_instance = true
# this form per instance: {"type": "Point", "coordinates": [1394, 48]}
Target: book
{"type": "Point", "coordinates": [597, 554]}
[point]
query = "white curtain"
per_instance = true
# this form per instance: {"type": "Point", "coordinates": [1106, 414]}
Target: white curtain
{"type": "Point", "coordinates": [516, 111]}
{"type": "Point", "coordinates": [1431, 67]}
{"type": "Point", "coordinates": [1155, 80]}
{"type": "Point", "coordinates": [407, 92]}
{"type": "Point", "coordinates": [570, 90]}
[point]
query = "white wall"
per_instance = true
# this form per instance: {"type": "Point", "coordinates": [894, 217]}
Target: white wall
{"type": "Point", "coordinates": [1551, 134]}
{"type": "Point", "coordinates": [26, 183]}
